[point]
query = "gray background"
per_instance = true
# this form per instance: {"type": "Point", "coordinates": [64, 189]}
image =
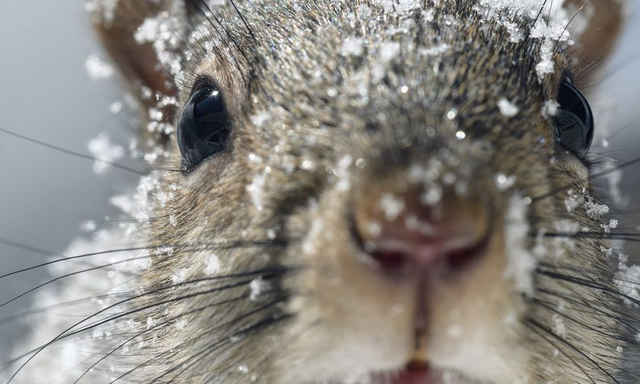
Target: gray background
{"type": "Point", "coordinates": [47, 94]}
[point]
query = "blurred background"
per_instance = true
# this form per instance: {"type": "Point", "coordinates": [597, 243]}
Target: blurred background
{"type": "Point", "coordinates": [47, 94]}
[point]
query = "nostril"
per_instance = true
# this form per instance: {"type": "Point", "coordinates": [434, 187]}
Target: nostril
{"type": "Point", "coordinates": [457, 259]}
{"type": "Point", "coordinates": [424, 253]}
{"type": "Point", "coordinates": [390, 260]}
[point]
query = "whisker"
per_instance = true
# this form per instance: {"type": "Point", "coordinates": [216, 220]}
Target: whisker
{"type": "Point", "coordinates": [262, 324]}
{"type": "Point", "coordinates": [620, 317]}
{"type": "Point", "coordinates": [632, 237]}
{"type": "Point", "coordinates": [558, 42]}
{"type": "Point", "coordinates": [244, 21]}
{"type": "Point", "coordinates": [67, 332]}
{"type": "Point", "coordinates": [559, 349]}
{"type": "Point", "coordinates": [79, 155]}
{"type": "Point", "coordinates": [62, 277]}
{"type": "Point", "coordinates": [602, 332]}
{"type": "Point", "coordinates": [587, 283]}
{"type": "Point", "coordinates": [197, 246]}
{"type": "Point", "coordinates": [168, 322]}
{"type": "Point", "coordinates": [565, 342]}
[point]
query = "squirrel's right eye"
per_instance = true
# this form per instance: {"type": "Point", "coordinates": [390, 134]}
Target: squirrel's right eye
{"type": "Point", "coordinates": [574, 122]}
{"type": "Point", "coordinates": [203, 126]}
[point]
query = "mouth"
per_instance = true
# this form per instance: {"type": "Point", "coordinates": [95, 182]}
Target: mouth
{"type": "Point", "coordinates": [414, 373]}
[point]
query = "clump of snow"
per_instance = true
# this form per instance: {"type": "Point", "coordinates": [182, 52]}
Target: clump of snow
{"type": "Point", "coordinates": [628, 280]}
{"type": "Point", "coordinates": [550, 32]}
{"type": "Point", "coordinates": [573, 200]}
{"type": "Point", "coordinates": [545, 66]}
{"type": "Point", "coordinates": [595, 210]}
{"type": "Point", "coordinates": [179, 276]}
{"type": "Point", "coordinates": [212, 265]}
{"type": "Point", "coordinates": [257, 287]}
{"type": "Point", "coordinates": [105, 152]}
{"type": "Point", "coordinates": [521, 261]}
{"type": "Point", "coordinates": [98, 69]}
{"type": "Point", "coordinates": [504, 182]}
{"type": "Point", "coordinates": [432, 194]}
{"type": "Point", "coordinates": [507, 108]}
{"type": "Point", "coordinates": [558, 327]}
{"type": "Point", "coordinates": [342, 172]}
{"type": "Point", "coordinates": [105, 9]}
{"type": "Point", "coordinates": [115, 107]}
{"type": "Point", "coordinates": [255, 190]}
{"type": "Point", "coordinates": [259, 118]}
{"type": "Point", "coordinates": [550, 109]}
{"type": "Point", "coordinates": [392, 206]}
{"type": "Point", "coordinates": [352, 46]}
{"type": "Point", "coordinates": [389, 50]}
{"type": "Point", "coordinates": [613, 224]}
{"type": "Point", "coordinates": [148, 31]}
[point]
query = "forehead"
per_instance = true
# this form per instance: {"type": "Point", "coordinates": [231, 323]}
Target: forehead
{"type": "Point", "coordinates": [305, 43]}
{"type": "Point", "coordinates": [330, 60]}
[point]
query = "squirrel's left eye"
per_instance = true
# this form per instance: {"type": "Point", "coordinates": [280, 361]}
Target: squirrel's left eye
{"type": "Point", "coordinates": [203, 127]}
{"type": "Point", "coordinates": [574, 121]}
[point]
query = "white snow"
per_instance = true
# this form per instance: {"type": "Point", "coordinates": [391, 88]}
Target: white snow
{"type": "Point", "coordinates": [389, 50]}
{"type": "Point", "coordinates": [148, 31]}
{"type": "Point", "coordinates": [105, 152]}
{"type": "Point", "coordinates": [628, 279]}
{"type": "Point", "coordinates": [558, 326]}
{"type": "Point", "coordinates": [342, 172]}
{"type": "Point", "coordinates": [504, 182]}
{"type": "Point", "coordinates": [573, 200]}
{"type": "Point", "coordinates": [392, 206]}
{"type": "Point", "coordinates": [115, 107]}
{"type": "Point", "coordinates": [613, 224]}
{"type": "Point", "coordinates": [98, 69]}
{"type": "Point", "coordinates": [103, 8]}
{"type": "Point", "coordinates": [432, 195]}
{"type": "Point", "coordinates": [259, 118]}
{"type": "Point", "coordinates": [507, 108]}
{"type": "Point", "coordinates": [212, 265]}
{"type": "Point", "coordinates": [255, 190]}
{"type": "Point", "coordinates": [352, 46]}
{"type": "Point", "coordinates": [550, 109]}
{"type": "Point", "coordinates": [521, 262]}
{"type": "Point", "coordinates": [179, 276]}
{"type": "Point", "coordinates": [257, 287]}
{"type": "Point", "coordinates": [595, 210]}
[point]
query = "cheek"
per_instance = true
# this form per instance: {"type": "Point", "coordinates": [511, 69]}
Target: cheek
{"type": "Point", "coordinates": [578, 172]}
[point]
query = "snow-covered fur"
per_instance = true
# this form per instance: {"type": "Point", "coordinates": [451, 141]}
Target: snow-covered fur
{"type": "Point", "coordinates": [245, 268]}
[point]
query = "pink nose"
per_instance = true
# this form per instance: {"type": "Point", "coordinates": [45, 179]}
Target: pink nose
{"type": "Point", "coordinates": [401, 234]}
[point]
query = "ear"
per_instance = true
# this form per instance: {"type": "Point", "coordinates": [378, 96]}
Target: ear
{"type": "Point", "coordinates": [136, 58]}
{"type": "Point", "coordinates": [595, 29]}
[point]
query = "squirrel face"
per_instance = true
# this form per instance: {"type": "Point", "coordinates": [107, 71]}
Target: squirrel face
{"type": "Point", "coordinates": [371, 191]}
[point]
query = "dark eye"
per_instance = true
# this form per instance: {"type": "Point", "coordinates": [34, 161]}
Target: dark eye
{"type": "Point", "coordinates": [574, 121]}
{"type": "Point", "coordinates": [203, 127]}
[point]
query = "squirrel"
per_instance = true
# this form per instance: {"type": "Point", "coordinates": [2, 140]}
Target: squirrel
{"type": "Point", "coordinates": [372, 191]}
